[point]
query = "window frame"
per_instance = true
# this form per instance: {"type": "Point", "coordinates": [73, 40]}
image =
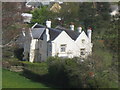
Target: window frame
{"type": "Point", "coordinates": [63, 48]}
{"type": "Point", "coordinates": [83, 40]}
{"type": "Point", "coordinates": [82, 51]}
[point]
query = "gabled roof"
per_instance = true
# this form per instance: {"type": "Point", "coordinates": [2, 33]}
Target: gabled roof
{"type": "Point", "coordinates": [37, 32]}
{"type": "Point", "coordinates": [72, 34]}
{"type": "Point", "coordinates": [53, 33]}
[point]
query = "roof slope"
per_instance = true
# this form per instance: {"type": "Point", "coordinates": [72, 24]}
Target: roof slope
{"type": "Point", "coordinates": [37, 32]}
{"type": "Point", "coordinates": [72, 34]}
{"type": "Point", "coordinates": [53, 33]}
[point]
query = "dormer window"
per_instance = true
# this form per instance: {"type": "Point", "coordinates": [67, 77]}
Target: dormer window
{"type": "Point", "coordinates": [63, 48]}
{"type": "Point", "coordinates": [83, 40]}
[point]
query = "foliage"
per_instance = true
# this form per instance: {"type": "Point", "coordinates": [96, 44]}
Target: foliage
{"type": "Point", "coordinates": [94, 72]}
{"type": "Point", "coordinates": [111, 36]}
{"type": "Point", "coordinates": [18, 53]}
{"type": "Point", "coordinates": [40, 15]}
{"type": "Point", "coordinates": [56, 71]}
{"type": "Point", "coordinates": [85, 14]}
{"type": "Point", "coordinates": [12, 52]}
{"type": "Point", "coordinates": [11, 20]}
{"type": "Point", "coordinates": [37, 68]}
{"type": "Point", "coordinates": [7, 52]}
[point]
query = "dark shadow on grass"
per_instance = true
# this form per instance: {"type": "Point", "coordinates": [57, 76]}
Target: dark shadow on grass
{"type": "Point", "coordinates": [45, 79]}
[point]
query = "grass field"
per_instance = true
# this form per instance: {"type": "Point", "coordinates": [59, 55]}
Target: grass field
{"type": "Point", "coordinates": [14, 80]}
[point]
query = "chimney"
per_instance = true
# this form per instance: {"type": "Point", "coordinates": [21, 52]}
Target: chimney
{"type": "Point", "coordinates": [72, 26]}
{"type": "Point", "coordinates": [48, 23]}
{"type": "Point", "coordinates": [89, 32]}
{"type": "Point", "coordinates": [79, 29]}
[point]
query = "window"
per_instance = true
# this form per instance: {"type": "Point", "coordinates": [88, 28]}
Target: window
{"type": "Point", "coordinates": [63, 47]}
{"type": "Point", "coordinates": [82, 51]}
{"type": "Point", "coordinates": [83, 40]}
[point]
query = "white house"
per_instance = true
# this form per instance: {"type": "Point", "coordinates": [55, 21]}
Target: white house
{"type": "Point", "coordinates": [44, 41]}
{"type": "Point", "coordinates": [26, 17]}
{"type": "Point", "coordinates": [36, 3]}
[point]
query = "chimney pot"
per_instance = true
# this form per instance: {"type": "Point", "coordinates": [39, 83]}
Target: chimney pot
{"type": "Point", "coordinates": [72, 26]}
{"type": "Point", "coordinates": [79, 29]}
{"type": "Point", "coordinates": [48, 23]}
{"type": "Point", "coordinates": [89, 32]}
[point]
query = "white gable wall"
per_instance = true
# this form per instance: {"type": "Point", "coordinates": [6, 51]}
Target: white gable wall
{"type": "Point", "coordinates": [64, 38]}
{"type": "Point", "coordinates": [87, 43]}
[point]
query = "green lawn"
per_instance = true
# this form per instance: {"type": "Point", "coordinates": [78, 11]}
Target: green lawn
{"type": "Point", "coordinates": [14, 80]}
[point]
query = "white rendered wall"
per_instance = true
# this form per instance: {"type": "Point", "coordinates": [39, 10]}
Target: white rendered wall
{"type": "Point", "coordinates": [87, 44]}
{"type": "Point", "coordinates": [33, 46]}
{"type": "Point", "coordinates": [71, 48]}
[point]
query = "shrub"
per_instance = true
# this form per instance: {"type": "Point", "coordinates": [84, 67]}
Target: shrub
{"type": "Point", "coordinates": [67, 72]}
{"type": "Point", "coordinates": [18, 53]}
{"type": "Point", "coordinates": [56, 71]}
{"type": "Point", "coordinates": [37, 68]}
{"type": "Point", "coordinates": [71, 73]}
{"type": "Point", "coordinates": [7, 52]}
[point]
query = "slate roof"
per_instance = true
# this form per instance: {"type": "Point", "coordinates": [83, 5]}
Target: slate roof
{"type": "Point", "coordinates": [34, 3]}
{"type": "Point", "coordinates": [53, 33]}
{"type": "Point", "coordinates": [37, 32]}
{"type": "Point", "coordinates": [72, 34]}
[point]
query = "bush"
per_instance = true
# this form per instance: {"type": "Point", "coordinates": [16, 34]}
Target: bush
{"type": "Point", "coordinates": [7, 52]}
{"type": "Point", "coordinates": [37, 68]}
{"type": "Point", "coordinates": [12, 52]}
{"type": "Point", "coordinates": [56, 71]}
{"type": "Point", "coordinates": [88, 74]}
{"type": "Point", "coordinates": [67, 72]}
{"type": "Point", "coordinates": [18, 53]}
